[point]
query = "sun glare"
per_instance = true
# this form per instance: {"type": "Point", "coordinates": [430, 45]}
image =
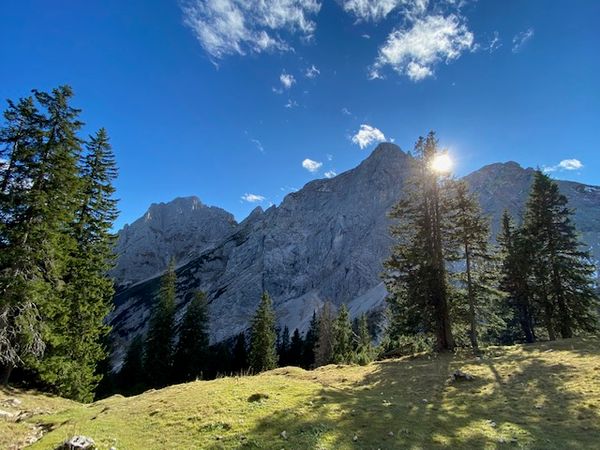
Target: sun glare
{"type": "Point", "coordinates": [441, 163]}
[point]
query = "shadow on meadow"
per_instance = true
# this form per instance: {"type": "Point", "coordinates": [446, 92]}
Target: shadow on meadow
{"type": "Point", "coordinates": [525, 400]}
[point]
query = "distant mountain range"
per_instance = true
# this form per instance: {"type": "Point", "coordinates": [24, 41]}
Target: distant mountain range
{"type": "Point", "coordinates": [326, 241]}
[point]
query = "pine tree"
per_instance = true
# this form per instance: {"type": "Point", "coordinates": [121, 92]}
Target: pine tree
{"type": "Point", "coordinates": [342, 332]}
{"type": "Point", "coordinates": [38, 199]}
{"type": "Point", "coordinates": [159, 340]}
{"type": "Point", "coordinates": [310, 342]}
{"type": "Point", "coordinates": [192, 349]}
{"type": "Point", "coordinates": [470, 231]}
{"type": "Point", "coordinates": [296, 346]}
{"type": "Point", "coordinates": [70, 364]}
{"type": "Point", "coordinates": [562, 272]}
{"type": "Point", "coordinates": [131, 379]}
{"type": "Point", "coordinates": [284, 347]}
{"type": "Point", "coordinates": [514, 280]}
{"type": "Point", "coordinates": [326, 337]}
{"type": "Point", "coordinates": [240, 353]}
{"type": "Point", "coordinates": [263, 354]}
{"type": "Point", "coordinates": [416, 276]}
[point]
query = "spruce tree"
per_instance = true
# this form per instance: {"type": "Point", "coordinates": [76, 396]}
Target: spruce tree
{"type": "Point", "coordinates": [240, 354]}
{"type": "Point", "coordinates": [192, 349]}
{"type": "Point", "coordinates": [363, 346]}
{"type": "Point", "coordinates": [284, 347]}
{"type": "Point", "coordinates": [158, 361]}
{"type": "Point", "coordinates": [342, 337]}
{"type": "Point", "coordinates": [470, 231]}
{"type": "Point", "coordinates": [131, 379]}
{"type": "Point", "coordinates": [562, 272]}
{"type": "Point", "coordinates": [263, 354]}
{"type": "Point", "coordinates": [310, 342]}
{"type": "Point", "coordinates": [40, 184]}
{"type": "Point", "coordinates": [326, 337]}
{"type": "Point", "coordinates": [296, 346]}
{"type": "Point", "coordinates": [515, 269]}
{"type": "Point", "coordinates": [416, 276]}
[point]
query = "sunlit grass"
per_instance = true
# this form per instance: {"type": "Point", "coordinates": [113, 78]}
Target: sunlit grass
{"type": "Point", "coordinates": [539, 396]}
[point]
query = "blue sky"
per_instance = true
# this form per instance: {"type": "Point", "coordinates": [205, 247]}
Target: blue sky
{"type": "Point", "coordinates": [227, 99]}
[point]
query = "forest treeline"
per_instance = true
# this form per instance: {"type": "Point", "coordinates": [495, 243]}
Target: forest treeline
{"type": "Point", "coordinates": [449, 283]}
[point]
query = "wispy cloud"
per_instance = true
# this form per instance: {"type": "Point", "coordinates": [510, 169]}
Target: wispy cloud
{"type": "Point", "coordinates": [367, 135]}
{"type": "Point", "coordinates": [565, 164]}
{"type": "Point", "coordinates": [228, 27]}
{"type": "Point", "coordinates": [377, 10]}
{"type": "Point", "coordinates": [520, 39]}
{"type": "Point", "coordinates": [416, 51]}
{"type": "Point", "coordinates": [312, 72]}
{"type": "Point", "coordinates": [330, 174]}
{"type": "Point", "coordinates": [346, 112]}
{"type": "Point", "coordinates": [258, 144]}
{"type": "Point", "coordinates": [253, 198]}
{"type": "Point", "coordinates": [291, 104]}
{"type": "Point", "coordinates": [329, 157]}
{"type": "Point", "coordinates": [311, 165]}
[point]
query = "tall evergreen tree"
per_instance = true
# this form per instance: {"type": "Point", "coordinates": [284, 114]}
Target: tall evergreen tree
{"type": "Point", "coordinates": [562, 272]}
{"type": "Point", "coordinates": [342, 336]}
{"type": "Point", "coordinates": [416, 275]}
{"type": "Point", "coordinates": [477, 281]}
{"type": "Point", "coordinates": [70, 363]}
{"type": "Point", "coordinates": [310, 342]}
{"type": "Point", "coordinates": [240, 353]}
{"type": "Point", "coordinates": [192, 349]}
{"type": "Point", "coordinates": [515, 254]}
{"type": "Point", "coordinates": [131, 379]}
{"type": "Point", "coordinates": [363, 347]}
{"type": "Point", "coordinates": [38, 199]}
{"type": "Point", "coordinates": [263, 354]}
{"type": "Point", "coordinates": [296, 346]}
{"type": "Point", "coordinates": [284, 347]}
{"type": "Point", "coordinates": [326, 337]}
{"type": "Point", "coordinates": [160, 338]}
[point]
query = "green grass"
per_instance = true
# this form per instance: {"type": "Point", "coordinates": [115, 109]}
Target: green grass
{"type": "Point", "coordinates": [540, 396]}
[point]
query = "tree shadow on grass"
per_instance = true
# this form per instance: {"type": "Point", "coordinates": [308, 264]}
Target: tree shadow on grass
{"type": "Point", "coordinates": [516, 401]}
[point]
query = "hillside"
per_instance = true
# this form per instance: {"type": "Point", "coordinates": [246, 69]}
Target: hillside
{"type": "Point", "coordinates": [540, 396]}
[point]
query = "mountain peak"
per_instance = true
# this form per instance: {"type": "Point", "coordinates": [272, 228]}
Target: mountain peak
{"type": "Point", "coordinates": [386, 150]}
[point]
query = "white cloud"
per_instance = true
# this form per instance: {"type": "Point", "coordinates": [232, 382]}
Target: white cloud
{"type": "Point", "coordinates": [416, 51]}
{"type": "Point", "coordinates": [310, 165]}
{"type": "Point", "coordinates": [258, 144]}
{"type": "Point", "coordinates": [520, 39]}
{"type": "Point", "coordinates": [376, 10]}
{"type": "Point", "coordinates": [346, 112]}
{"type": "Point", "coordinates": [330, 174]}
{"type": "Point", "coordinates": [253, 198]}
{"type": "Point", "coordinates": [495, 43]}
{"type": "Point", "coordinates": [329, 157]}
{"type": "Point", "coordinates": [228, 27]}
{"type": "Point", "coordinates": [312, 72]}
{"type": "Point", "coordinates": [366, 135]}
{"type": "Point", "coordinates": [366, 36]}
{"type": "Point", "coordinates": [291, 104]}
{"type": "Point", "coordinates": [565, 164]}
{"type": "Point", "coordinates": [287, 80]}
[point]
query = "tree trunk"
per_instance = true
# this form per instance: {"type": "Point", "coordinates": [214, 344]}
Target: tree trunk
{"type": "Point", "coordinates": [471, 299]}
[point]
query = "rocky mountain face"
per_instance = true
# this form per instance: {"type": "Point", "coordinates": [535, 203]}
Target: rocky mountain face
{"type": "Point", "coordinates": [180, 229]}
{"type": "Point", "coordinates": [324, 242]}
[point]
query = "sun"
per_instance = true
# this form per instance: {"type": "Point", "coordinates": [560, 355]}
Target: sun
{"type": "Point", "coordinates": [441, 163]}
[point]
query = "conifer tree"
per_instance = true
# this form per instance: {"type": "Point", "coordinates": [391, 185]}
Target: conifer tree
{"type": "Point", "coordinates": [363, 345]}
{"type": "Point", "coordinates": [191, 354]}
{"type": "Point", "coordinates": [263, 354]}
{"type": "Point", "coordinates": [131, 379]}
{"type": "Point", "coordinates": [514, 251]}
{"type": "Point", "coordinates": [310, 342]}
{"type": "Point", "coordinates": [326, 337]}
{"type": "Point", "coordinates": [296, 346]}
{"type": "Point", "coordinates": [38, 199]}
{"type": "Point", "coordinates": [159, 340]}
{"type": "Point", "coordinates": [470, 230]}
{"type": "Point", "coordinates": [240, 353]}
{"type": "Point", "coordinates": [562, 272]}
{"type": "Point", "coordinates": [284, 347]}
{"type": "Point", "coordinates": [342, 335]}
{"type": "Point", "coordinates": [416, 276]}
